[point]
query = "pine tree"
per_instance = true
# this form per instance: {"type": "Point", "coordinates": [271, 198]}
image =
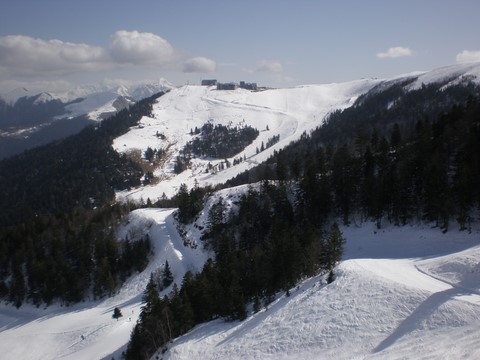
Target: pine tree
{"type": "Point", "coordinates": [150, 296]}
{"type": "Point", "coordinates": [334, 246]}
{"type": "Point", "coordinates": [396, 137]}
{"type": "Point", "coordinates": [117, 313]}
{"type": "Point", "coordinates": [183, 203]}
{"type": "Point", "coordinates": [343, 179]}
{"type": "Point", "coordinates": [167, 276]}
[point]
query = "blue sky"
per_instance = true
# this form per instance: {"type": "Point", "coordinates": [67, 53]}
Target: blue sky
{"type": "Point", "coordinates": [55, 44]}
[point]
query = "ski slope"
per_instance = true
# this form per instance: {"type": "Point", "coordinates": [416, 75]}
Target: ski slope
{"type": "Point", "coordinates": [285, 112]}
{"type": "Point", "coordinates": [401, 293]}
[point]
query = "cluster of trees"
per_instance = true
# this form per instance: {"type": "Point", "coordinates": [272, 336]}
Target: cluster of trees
{"type": "Point", "coordinates": [219, 141]}
{"type": "Point", "coordinates": [261, 248]}
{"type": "Point", "coordinates": [152, 154]}
{"type": "Point", "coordinates": [68, 257]}
{"type": "Point", "coordinates": [270, 142]}
{"type": "Point", "coordinates": [239, 160]}
{"type": "Point", "coordinates": [215, 141]}
{"type": "Point", "coordinates": [189, 202]}
{"type": "Point", "coordinates": [56, 237]}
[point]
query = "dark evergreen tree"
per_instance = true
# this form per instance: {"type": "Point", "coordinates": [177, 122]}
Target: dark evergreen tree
{"type": "Point", "coordinates": [167, 276]}
{"type": "Point", "coordinates": [117, 313]}
{"type": "Point", "coordinates": [334, 246]}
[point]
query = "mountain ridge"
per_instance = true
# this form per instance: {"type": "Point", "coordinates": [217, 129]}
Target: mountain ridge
{"type": "Point", "coordinates": [28, 120]}
{"type": "Point", "coordinates": [288, 112]}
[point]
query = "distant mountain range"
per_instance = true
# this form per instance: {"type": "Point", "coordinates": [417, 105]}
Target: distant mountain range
{"type": "Point", "coordinates": [30, 119]}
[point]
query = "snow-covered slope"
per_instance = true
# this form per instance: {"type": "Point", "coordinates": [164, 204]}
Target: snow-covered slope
{"type": "Point", "coordinates": [450, 75]}
{"type": "Point", "coordinates": [98, 102]}
{"type": "Point", "coordinates": [401, 293]}
{"type": "Point", "coordinates": [447, 75]}
{"type": "Point", "coordinates": [285, 112]}
{"type": "Point", "coordinates": [87, 330]}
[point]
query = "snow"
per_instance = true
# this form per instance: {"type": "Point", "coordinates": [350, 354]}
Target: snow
{"type": "Point", "coordinates": [56, 332]}
{"type": "Point", "coordinates": [388, 302]}
{"type": "Point", "coordinates": [452, 74]}
{"type": "Point", "coordinates": [399, 293]}
{"type": "Point", "coordinates": [92, 100]}
{"type": "Point", "coordinates": [286, 112]}
{"type": "Point", "coordinates": [97, 101]}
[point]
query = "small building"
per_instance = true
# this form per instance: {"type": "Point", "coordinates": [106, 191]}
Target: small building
{"type": "Point", "coordinates": [248, 86]}
{"type": "Point", "coordinates": [226, 86]}
{"type": "Point", "coordinates": [209, 82]}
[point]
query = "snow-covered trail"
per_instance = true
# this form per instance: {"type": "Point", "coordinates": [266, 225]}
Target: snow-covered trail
{"type": "Point", "coordinates": [87, 330]}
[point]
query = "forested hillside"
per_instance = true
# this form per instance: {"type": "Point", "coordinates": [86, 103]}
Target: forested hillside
{"type": "Point", "coordinates": [58, 218]}
{"type": "Point", "coordinates": [396, 155]}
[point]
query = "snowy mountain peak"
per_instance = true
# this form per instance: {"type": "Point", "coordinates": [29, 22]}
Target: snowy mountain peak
{"type": "Point", "coordinates": [44, 97]}
{"type": "Point", "coordinates": [136, 91]}
{"type": "Point", "coordinates": [105, 101]}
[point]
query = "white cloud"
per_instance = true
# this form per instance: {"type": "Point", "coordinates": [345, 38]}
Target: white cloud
{"type": "Point", "coordinates": [133, 47]}
{"type": "Point", "coordinates": [199, 65]}
{"type": "Point", "coordinates": [395, 52]}
{"type": "Point", "coordinates": [23, 55]}
{"type": "Point", "coordinates": [26, 56]}
{"type": "Point", "coordinates": [468, 56]}
{"type": "Point", "coordinates": [269, 67]}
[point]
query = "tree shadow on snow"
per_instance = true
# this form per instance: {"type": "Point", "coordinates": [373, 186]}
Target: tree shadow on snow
{"type": "Point", "coordinates": [416, 320]}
